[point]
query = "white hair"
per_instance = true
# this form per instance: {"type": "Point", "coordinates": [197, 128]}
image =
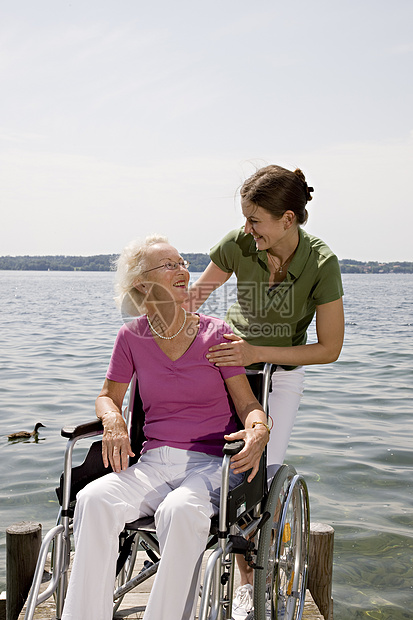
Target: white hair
{"type": "Point", "coordinates": [130, 265]}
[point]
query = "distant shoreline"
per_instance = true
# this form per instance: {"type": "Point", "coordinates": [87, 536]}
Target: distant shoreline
{"type": "Point", "coordinates": [104, 262]}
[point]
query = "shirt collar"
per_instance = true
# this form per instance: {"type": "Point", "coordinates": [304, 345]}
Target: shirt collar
{"type": "Point", "coordinates": [253, 248]}
{"type": "Point", "coordinates": [300, 257]}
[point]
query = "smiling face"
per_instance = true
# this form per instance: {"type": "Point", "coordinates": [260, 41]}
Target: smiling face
{"type": "Point", "coordinates": [269, 233]}
{"type": "Point", "coordinates": [163, 285]}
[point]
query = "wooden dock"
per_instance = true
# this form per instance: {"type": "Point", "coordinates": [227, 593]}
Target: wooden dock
{"type": "Point", "coordinates": [133, 605]}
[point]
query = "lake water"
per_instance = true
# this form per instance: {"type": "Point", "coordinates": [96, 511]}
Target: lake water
{"type": "Point", "coordinates": [352, 440]}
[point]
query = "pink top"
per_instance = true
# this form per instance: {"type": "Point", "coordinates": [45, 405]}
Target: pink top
{"type": "Point", "coordinates": [185, 401]}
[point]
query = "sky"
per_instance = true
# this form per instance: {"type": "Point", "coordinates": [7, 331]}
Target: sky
{"type": "Point", "coordinates": [123, 118]}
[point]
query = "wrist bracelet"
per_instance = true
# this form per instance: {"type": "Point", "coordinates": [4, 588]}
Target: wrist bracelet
{"type": "Point", "coordinates": [254, 424]}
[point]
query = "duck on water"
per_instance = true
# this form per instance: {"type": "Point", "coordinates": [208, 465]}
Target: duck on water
{"type": "Point", "coordinates": [26, 434]}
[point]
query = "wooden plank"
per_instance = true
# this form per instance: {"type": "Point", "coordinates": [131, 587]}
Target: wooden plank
{"type": "Point", "coordinates": [133, 605]}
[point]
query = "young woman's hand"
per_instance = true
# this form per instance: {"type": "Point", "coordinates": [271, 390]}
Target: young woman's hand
{"type": "Point", "coordinates": [235, 352]}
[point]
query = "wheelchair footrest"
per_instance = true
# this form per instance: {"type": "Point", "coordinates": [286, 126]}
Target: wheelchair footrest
{"type": "Point", "coordinates": [246, 548]}
{"type": "Point", "coordinates": [240, 544]}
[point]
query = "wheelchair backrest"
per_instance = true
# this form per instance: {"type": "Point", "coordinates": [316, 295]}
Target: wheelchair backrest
{"type": "Point", "coordinates": [136, 420]}
{"type": "Point", "coordinates": [245, 496]}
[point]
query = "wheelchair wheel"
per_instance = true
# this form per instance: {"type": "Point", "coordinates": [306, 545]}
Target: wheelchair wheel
{"type": "Point", "coordinates": [279, 589]}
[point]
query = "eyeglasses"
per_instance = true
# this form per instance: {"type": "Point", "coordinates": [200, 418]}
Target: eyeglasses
{"type": "Point", "coordinates": [170, 266]}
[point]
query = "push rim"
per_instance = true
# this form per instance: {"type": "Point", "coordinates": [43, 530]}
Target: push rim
{"type": "Point", "coordinates": [279, 590]}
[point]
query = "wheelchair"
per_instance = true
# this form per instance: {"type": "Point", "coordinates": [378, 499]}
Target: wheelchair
{"type": "Point", "coordinates": [266, 521]}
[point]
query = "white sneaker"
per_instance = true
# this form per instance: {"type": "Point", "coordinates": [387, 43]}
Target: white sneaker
{"type": "Point", "coordinates": [243, 602]}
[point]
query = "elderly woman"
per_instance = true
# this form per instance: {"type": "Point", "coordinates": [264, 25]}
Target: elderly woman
{"type": "Point", "coordinates": [188, 418]}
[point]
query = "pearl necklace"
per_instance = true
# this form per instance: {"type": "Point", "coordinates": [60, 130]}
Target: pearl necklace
{"type": "Point", "coordinates": [167, 337]}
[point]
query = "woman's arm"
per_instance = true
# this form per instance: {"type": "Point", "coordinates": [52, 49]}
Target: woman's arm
{"type": "Point", "coordinates": [249, 411]}
{"type": "Point", "coordinates": [116, 448]}
{"type": "Point", "coordinates": [212, 278]}
{"type": "Point", "coordinates": [330, 336]}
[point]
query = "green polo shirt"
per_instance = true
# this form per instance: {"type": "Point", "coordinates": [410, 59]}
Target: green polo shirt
{"type": "Point", "coordinates": [279, 315]}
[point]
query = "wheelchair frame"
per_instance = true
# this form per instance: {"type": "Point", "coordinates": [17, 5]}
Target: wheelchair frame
{"type": "Point", "coordinates": [267, 524]}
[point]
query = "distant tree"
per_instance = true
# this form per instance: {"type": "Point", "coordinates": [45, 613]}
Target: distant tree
{"type": "Point", "coordinates": [104, 262]}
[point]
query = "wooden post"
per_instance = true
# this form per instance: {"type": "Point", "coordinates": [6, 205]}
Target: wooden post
{"type": "Point", "coordinates": [23, 541]}
{"type": "Point", "coordinates": [3, 606]}
{"type": "Point", "coordinates": [320, 567]}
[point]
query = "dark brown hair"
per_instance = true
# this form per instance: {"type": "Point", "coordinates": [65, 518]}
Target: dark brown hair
{"type": "Point", "coordinates": [278, 190]}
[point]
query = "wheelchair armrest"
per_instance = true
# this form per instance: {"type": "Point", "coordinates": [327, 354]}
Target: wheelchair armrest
{"type": "Point", "coordinates": [89, 429]}
{"type": "Point", "coordinates": [233, 447]}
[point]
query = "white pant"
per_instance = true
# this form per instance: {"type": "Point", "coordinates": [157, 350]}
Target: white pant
{"type": "Point", "coordinates": [284, 400]}
{"type": "Point", "coordinates": [182, 490]}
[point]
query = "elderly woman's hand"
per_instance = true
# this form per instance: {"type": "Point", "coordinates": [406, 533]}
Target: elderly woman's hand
{"type": "Point", "coordinates": [249, 458]}
{"type": "Point", "coordinates": [116, 448]}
